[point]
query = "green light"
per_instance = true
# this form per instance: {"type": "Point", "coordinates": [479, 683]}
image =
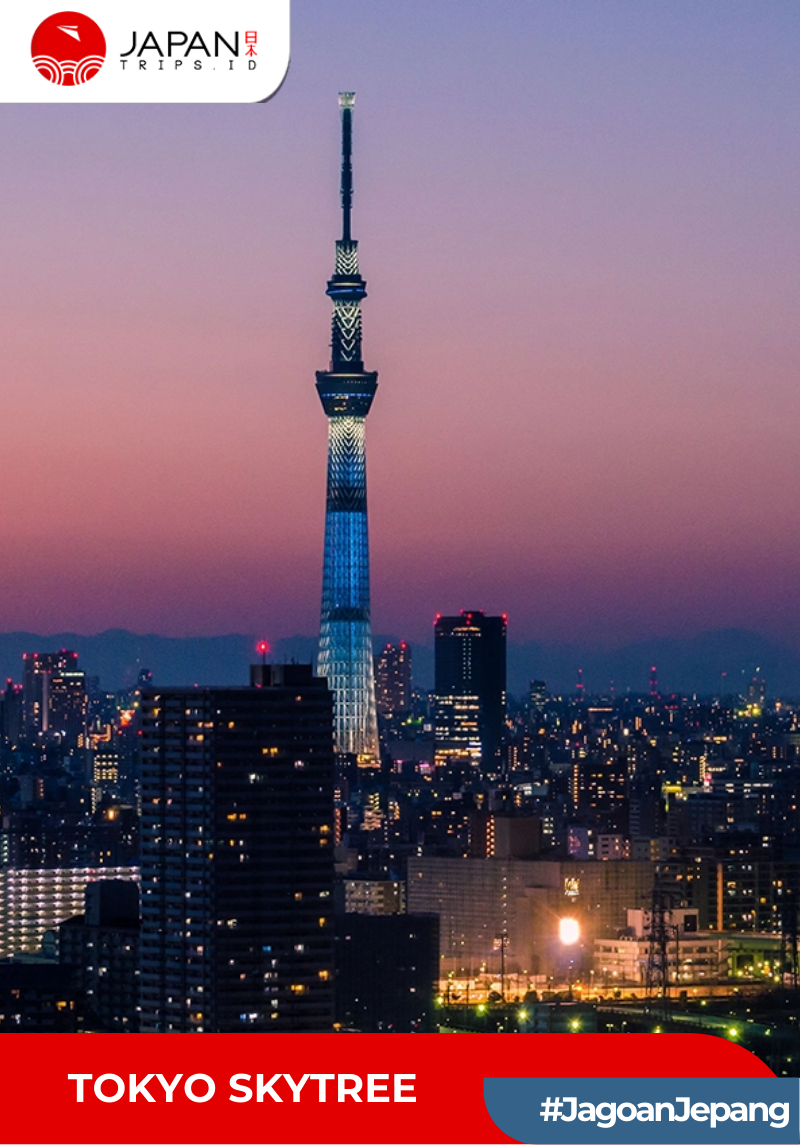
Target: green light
{"type": "Point", "coordinates": [575, 1024]}
{"type": "Point", "coordinates": [481, 1008]}
{"type": "Point", "coordinates": [523, 1015]}
{"type": "Point", "coordinates": [733, 1032]}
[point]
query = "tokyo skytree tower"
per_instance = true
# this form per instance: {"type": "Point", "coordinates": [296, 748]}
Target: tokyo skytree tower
{"type": "Point", "coordinates": [346, 391]}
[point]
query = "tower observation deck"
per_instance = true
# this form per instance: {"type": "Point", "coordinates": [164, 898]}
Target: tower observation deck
{"type": "Point", "coordinates": [346, 391]}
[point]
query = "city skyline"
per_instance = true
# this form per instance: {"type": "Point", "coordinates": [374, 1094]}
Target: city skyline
{"type": "Point", "coordinates": [584, 216]}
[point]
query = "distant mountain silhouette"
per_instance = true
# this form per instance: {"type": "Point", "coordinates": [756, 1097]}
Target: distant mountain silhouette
{"type": "Point", "coordinates": [117, 656]}
{"type": "Point", "coordinates": [689, 665]}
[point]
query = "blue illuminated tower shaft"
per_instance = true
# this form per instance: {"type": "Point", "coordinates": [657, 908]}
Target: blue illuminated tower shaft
{"type": "Point", "coordinates": [346, 392]}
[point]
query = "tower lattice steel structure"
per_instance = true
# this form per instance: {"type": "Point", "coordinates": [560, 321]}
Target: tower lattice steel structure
{"type": "Point", "coordinates": [346, 391]}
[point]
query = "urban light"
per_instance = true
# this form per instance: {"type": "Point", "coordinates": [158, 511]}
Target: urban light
{"type": "Point", "coordinates": [568, 931]}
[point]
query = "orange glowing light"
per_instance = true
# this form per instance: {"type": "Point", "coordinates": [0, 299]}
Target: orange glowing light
{"type": "Point", "coordinates": [568, 931]}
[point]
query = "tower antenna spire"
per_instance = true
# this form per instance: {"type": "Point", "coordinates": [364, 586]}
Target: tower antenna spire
{"type": "Point", "coordinates": [347, 101]}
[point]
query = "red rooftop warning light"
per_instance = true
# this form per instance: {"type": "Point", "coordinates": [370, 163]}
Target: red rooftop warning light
{"type": "Point", "coordinates": [262, 648]}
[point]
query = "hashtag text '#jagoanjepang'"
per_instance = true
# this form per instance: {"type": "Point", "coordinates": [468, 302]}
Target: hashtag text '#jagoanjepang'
{"type": "Point", "coordinates": [607, 1113]}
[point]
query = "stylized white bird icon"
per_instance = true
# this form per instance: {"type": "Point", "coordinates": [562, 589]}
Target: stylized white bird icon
{"type": "Point", "coordinates": [70, 29]}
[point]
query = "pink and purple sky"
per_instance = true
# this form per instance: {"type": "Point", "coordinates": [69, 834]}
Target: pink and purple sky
{"type": "Point", "coordinates": [579, 228]}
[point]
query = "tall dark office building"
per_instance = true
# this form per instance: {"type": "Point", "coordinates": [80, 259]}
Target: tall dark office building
{"type": "Point", "coordinates": [470, 687]}
{"type": "Point", "coordinates": [237, 856]}
{"type": "Point", "coordinates": [11, 714]}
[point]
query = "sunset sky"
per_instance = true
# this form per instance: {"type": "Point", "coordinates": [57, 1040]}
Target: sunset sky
{"type": "Point", "coordinates": [579, 227]}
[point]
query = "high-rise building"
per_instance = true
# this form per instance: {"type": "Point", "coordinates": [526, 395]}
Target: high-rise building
{"type": "Point", "coordinates": [470, 687]}
{"type": "Point", "coordinates": [393, 679]}
{"type": "Point", "coordinates": [38, 900]}
{"type": "Point", "coordinates": [101, 948]}
{"type": "Point", "coordinates": [38, 670]}
{"type": "Point", "coordinates": [11, 712]}
{"type": "Point", "coordinates": [237, 855]}
{"type": "Point", "coordinates": [68, 707]}
{"type": "Point", "coordinates": [757, 693]}
{"type": "Point", "coordinates": [387, 972]}
{"type": "Point", "coordinates": [105, 773]}
{"type": "Point", "coordinates": [537, 696]}
{"type": "Point", "coordinates": [346, 391]}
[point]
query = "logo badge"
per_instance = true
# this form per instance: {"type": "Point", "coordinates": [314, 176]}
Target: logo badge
{"type": "Point", "coordinates": [68, 48]}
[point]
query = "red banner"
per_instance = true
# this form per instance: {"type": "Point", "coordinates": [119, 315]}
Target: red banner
{"type": "Point", "coordinates": [307, 1088]}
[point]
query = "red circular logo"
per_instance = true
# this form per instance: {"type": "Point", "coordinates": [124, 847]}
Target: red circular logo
{"type": "Point", "coordinates": [68, 48]}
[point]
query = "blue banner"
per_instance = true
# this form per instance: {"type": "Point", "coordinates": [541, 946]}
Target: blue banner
{"type": "Point", "coordinates": [571, 1111]}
